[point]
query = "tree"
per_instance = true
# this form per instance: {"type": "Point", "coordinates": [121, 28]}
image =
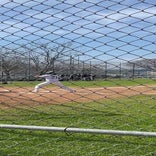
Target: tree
{"type": "Point", "coordinates": [44, 57]}
{"type": "Point", "coordinates": [10, 61]}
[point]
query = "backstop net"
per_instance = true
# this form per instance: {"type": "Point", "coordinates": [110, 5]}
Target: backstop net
{"type": "Point", "coordinates": [102, 63]}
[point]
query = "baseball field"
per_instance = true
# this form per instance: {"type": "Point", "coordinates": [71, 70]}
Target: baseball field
{"type": "Point", "coordinates": [112, 105]}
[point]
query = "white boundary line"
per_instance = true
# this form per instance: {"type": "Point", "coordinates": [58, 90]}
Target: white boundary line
{"type": "Point", "coordinates": [4, 90]}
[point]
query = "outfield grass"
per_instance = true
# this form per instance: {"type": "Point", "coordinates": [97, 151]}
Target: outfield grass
{"type": "Point", "coordinates": [135, 113]}
{"type": "Point", "coordinates": [95, 83]}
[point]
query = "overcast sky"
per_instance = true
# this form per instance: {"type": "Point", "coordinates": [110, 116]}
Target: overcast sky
{"type": "Point", "coordinates": [102, 29]}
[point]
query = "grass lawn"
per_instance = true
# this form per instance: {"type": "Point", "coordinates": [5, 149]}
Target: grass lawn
{"type": "Point", "coordinates": [136, 113]}
{"type": "Point", "coordinates": [95, 83]}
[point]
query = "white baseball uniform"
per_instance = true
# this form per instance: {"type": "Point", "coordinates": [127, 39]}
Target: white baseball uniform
{"type": "Point", "coordinates": [51, 79]}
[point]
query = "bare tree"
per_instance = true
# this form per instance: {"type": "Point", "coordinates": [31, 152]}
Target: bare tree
{"type": "Point", "coordinates": [45, 59]}
{"type": "Point", "coordinates": [10, 62]}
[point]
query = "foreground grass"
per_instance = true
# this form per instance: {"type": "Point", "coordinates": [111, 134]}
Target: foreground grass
{"type": "Point", "coordinates": [136, 113]}
{"type": "Point", "coordinates": [95, 83]}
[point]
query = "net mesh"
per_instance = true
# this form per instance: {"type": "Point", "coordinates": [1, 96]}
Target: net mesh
{"type": "Point", "coordinates": [103, 53]}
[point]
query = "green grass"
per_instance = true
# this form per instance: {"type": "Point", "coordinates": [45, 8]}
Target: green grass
{"type": "Point", "coordinates": [96, 83]}
{"type": "Point", "coordinates": [135, 113]}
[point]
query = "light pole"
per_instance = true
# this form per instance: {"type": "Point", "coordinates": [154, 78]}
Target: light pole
{"type": "Point", "coordinates": [1, 69]}
{"type": "Point", "coordinates": [29, 65]}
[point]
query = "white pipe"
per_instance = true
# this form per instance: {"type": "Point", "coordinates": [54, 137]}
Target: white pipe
{"type": "Point", "coordinates": [79, 130]}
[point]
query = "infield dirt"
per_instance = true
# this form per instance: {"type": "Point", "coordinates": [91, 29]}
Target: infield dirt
{"type": "Point", "coordinates": [12, 96]}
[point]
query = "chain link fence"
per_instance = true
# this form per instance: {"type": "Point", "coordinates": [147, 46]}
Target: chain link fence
{"type": "Point", "coordinates": [101, 50]}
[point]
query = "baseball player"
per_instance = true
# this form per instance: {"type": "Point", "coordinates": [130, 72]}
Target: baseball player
{"type": "Point", "coordinates": [51, 78]}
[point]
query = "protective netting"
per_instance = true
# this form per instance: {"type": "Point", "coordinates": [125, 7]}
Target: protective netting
{"type": "Point", "coordinates": [103, 54]}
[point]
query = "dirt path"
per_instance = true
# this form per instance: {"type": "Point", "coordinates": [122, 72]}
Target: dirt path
{"type": "Point", "coordinates": [19, 96]}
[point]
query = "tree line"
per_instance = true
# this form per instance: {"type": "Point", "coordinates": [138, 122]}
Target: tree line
{"type": "Point", "coordinates": [25, 62]}
{"type": "Point", "coordinates": [28, 60]}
